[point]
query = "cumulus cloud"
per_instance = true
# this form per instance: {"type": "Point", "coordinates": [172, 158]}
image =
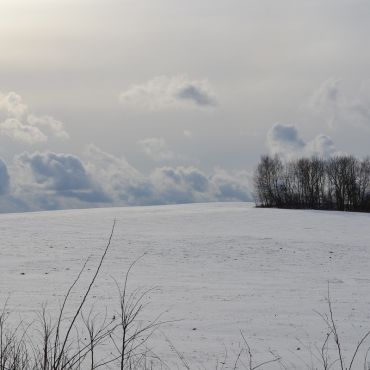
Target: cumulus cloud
{"type": "Point", "coordinates": [163, 92]}
{"type": "Point", "coordinates": [164, 185]}
{"type": "Point", "coordinates": [9, 202]}
{"type": "Point", "coordinates": [321, 145]}
{"type": "Point", "coordinates": [234, 186]}
{"type": "Point", "coordinates": [180, 185]}
{"type": "Point", "coordinates": [47, 180]}
{"type": "Point", "coordinates": [51, 125]}
{"type": "Point", "coordinates": [60, 175]}
{"type": "Point", "coordinates": [16, 130]}
{"type": "Point", "coordinates": [189, 184]}
{"type": "Point", "coordinates": [19, 124]}
{"type": "Point", "coordinates": [124, 183]}
{"type": "Point", "coordinates": [156, 148]}
{"type": "Point", "coordinates": [286, 141]}
{"type": "Point", "coordinates": [11, 104]}
{"type": "Point", "coordinates": [57, 171]}
{"type": "Point", "coordinates": [99, 160]}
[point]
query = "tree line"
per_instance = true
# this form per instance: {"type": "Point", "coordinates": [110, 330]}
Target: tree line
{"type": "Point", "coordinates": [338, 183]}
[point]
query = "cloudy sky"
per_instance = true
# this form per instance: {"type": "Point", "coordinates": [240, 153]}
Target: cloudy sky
{"type": "Point", "coordinates": [131, 102]}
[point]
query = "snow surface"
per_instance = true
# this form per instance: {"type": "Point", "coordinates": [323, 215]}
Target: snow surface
{"type": "Point", "coordinates": [217, 268]}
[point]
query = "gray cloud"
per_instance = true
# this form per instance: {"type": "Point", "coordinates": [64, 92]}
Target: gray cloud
{"type": "Point", "coordinates": [195, 92]}
{"type": "Point", "coordinates": [321, 145]}
{"type": "Point", "coordinates": [181, 185]}
{"type": "Point", "coordinates": [286, 141]}
{"type": "Point", "coordinates": [4, 178]}
{"type": "Point", "coordinates": [62, 175]}
{"type": "Point", "coordinates": [232, 186]}
{"type": "Point", "coordinates": [125, 185]}
{"type": "Point", "coordinates": [335, 105]}
{"type": "Point", "coordinates": [284, 136]}
{"type": "Point", "coordinates": [57, 171]}
{"type": "Point", "coordinates": [189, 184]}
{"type": "Point", "coordinates": [57, 181]}
{"type": "Point", "coordinates": [9, 202]}
{"type": "Point", "coordinates": [163, 92]}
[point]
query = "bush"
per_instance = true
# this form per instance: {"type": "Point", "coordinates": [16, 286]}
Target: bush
{"type": "Point", "coordinates": [58, 344]}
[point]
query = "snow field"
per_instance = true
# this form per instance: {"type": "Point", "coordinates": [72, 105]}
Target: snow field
{"type": "Point", "coordinates": [215, 268]}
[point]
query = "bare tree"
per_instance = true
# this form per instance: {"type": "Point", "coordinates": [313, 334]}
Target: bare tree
{"type": "Point", "coordinates": [341, 183]}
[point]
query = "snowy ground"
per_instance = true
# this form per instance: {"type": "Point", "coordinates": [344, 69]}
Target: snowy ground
{"type": "Point", "coordinates": [218, 268]}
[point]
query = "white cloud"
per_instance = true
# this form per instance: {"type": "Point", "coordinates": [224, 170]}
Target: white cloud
{"type": "Point", "coordinates": [156, 149]}
{"type": "Point", "coordinates": [16, 130]}
{"type": "Point", "coordinates": [11, 104]}
{"type": "Point", "coordinates": [286, 141]}
{"type": "Point", "coordinates": [99, 160]}
{"type": "Point", "coordinates": [54, 127]}
{"type": "Point", "coordinates": [17, 123]}
{"type": "Point", "coordinates": [163, 92]}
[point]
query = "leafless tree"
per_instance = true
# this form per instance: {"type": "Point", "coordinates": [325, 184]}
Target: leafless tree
{"type": "Point", "coordinates": [340, 183]}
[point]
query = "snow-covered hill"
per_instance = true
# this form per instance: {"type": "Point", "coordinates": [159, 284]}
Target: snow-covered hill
{"type": "Point", "coordinates": [217, 268]}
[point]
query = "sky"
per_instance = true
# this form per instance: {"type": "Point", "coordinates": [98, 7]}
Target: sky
{"type": "Point", "coordinates": [133, 102]}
